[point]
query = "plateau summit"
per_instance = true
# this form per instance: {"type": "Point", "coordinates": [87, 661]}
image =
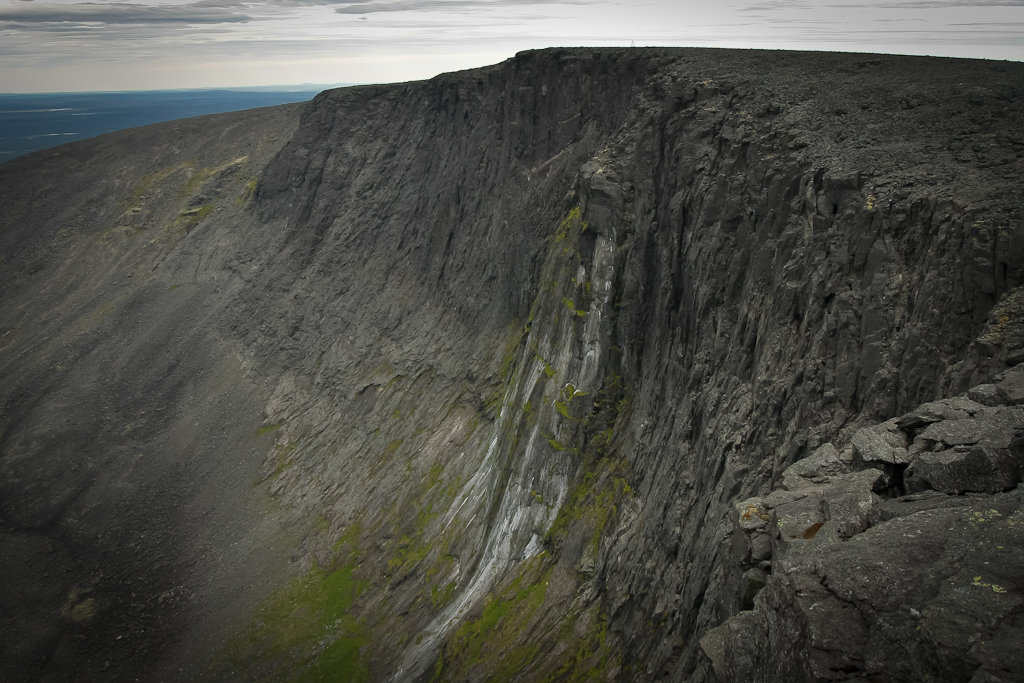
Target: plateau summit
{"type": "Point", "coordinates": [611, 364]}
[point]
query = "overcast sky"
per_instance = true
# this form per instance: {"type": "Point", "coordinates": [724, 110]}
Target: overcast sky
{"type": "Point", "coordinates": [58, 45]}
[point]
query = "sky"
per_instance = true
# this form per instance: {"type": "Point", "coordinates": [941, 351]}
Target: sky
{"type": "Point", "coordinates": [75, 45]}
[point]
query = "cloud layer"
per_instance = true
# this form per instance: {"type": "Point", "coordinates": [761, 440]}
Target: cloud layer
{"type": "Point", "coordinates": [31, 12]}
{"type": "Point", "coordinates": [102, 44]}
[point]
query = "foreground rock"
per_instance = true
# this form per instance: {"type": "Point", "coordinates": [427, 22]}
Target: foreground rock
{"type": "Point", "coordinates": [891, 562]}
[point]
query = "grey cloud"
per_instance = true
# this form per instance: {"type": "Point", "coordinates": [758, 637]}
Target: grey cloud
{"type": "Point", "coordinates": [937, 4]}
{"type": "Point", "coordinates": [372, 6]}
{"type": "Point", "coordinates": [775, 6]}
{"type": "Point", "coordinates": [89, 12]}
{"type": "Point", "coordinates": [934, 4]}
{"type": "Point", "coordinates": [220, 4]}
{"type": "Point", "coordinates": [786, 5]}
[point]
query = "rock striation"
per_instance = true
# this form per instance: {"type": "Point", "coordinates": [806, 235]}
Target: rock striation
{"type": "Point", "coordinates": [621, 364]}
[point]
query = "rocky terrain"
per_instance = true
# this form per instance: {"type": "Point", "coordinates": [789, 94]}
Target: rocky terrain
{"type": "Point", "coordinates": [619, 364]}
{"type": "Point", "coordinates": [899, 557]}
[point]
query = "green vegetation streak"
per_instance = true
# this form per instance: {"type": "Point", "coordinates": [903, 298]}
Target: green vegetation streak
{"type": "Point", "coordinates": [307, 631]}
{"type": "Point", "coordinates": [498, 642]}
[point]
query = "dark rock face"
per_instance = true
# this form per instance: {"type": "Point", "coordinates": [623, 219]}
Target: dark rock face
{"type": "Point", "coordinates": [532, 370]}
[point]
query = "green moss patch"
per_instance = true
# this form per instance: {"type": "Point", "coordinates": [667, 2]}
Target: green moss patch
{"type": "Point", "coordinates": [593, 659]}
{"type": "Point", "coordinates": [532, 628]}
{"type": "Point", "coordinates": [573, 222]}
{"type": "Point", "coordinates": [190, 218]}
{"type": "Point", "coordinates": [497, 645]}
{"type": "Point", "coordinates": [267, 428]}
{"type": "Point", "coordinates": [248, 191]}
{"type": "Point", "coordinates": [594, 502]}
{"type": "Point", "coordinates": [514, 335]}
{"type": "Point", "coordinates": [307, 632]}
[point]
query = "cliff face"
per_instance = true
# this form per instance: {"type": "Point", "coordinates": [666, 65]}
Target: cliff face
{"type": "Point", "coordinates": [467, 377]}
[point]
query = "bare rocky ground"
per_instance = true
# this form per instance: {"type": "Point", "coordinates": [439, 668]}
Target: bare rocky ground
{"type": "Point", "coordinates": [467, 378]}
{"type": "Point", "coordinates": [125, 524]}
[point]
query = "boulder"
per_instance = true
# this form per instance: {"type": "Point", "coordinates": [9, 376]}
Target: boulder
{"type": "Point", "coordinates": [977, 468]}
{"type": "Point", "coordinates": [985, 394]}
{"type": "Point", "coordinates": [849, 499]}
{"type": "Point", "coordinates": [1010, 387]}
{"type": "Point", "coordinates": [884, 443]}
{"type": "Point", "coordinates": [997, 427]}
{"type": "Point", "coordinates": [815, 469]}
{"type": "Point", "coordinates": [947, 409]}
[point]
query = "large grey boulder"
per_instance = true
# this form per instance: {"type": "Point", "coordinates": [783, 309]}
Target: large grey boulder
{"type": "Point", "coordinates": [977, 468]}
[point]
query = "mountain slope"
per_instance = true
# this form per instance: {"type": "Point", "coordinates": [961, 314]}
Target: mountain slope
{"type": "Point", "coordinates": [466, 376]}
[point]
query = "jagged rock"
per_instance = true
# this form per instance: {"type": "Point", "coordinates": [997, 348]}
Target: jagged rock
{"type": "Point", "coordinates": [755, 579]}
{"type": "Point", "coordinates": [923, 573]}
{"type": "Point", "coordinates": [872, 612]}
{"type": "Point", "coordinates": [799, 519]}
{"type": "Point", "coordinates": [760, 547]}
{"type": "Point", "coordinates": [780, 497]}
{"type": "Point", "coordinates": [936, 411]}
{"type": "Point", "coordinates": [848, 500]}
{"type": "Point", "coordinates": [817, 468]}
{"type": "Point", "coordinates": [979, 469]}
{"type": "Point", "coordinates": [985, 394]}
{"type": "Point", "coordinates": [995, 427]}
{"type": "Point", "coordinates": [727, 648]}
{"type": "Point", "coordinates": [884, 443]}
{"type": "Point", "coordinates": [1003, 338]}
{"type": "Point", "coordinates": [752, 514]}
{"type": "Point", "coordinates": [1010, 386]}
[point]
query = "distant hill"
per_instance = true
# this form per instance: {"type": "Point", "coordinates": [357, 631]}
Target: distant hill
{"type": "Point", "coordinates": [34, 121]}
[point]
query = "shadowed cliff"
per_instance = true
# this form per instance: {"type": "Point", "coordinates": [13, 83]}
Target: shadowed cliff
{"type": "Point", "coordinates": [467, 377]}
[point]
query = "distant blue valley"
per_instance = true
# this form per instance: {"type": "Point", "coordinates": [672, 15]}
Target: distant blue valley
{"type": "Point", "coordinates": [30, 122]}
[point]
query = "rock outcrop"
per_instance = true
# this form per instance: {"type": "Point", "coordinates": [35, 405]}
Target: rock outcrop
{"type": "Point", "coordinates": [528, 371]}
{"type": "Point", "coordinates": [899, 557]}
